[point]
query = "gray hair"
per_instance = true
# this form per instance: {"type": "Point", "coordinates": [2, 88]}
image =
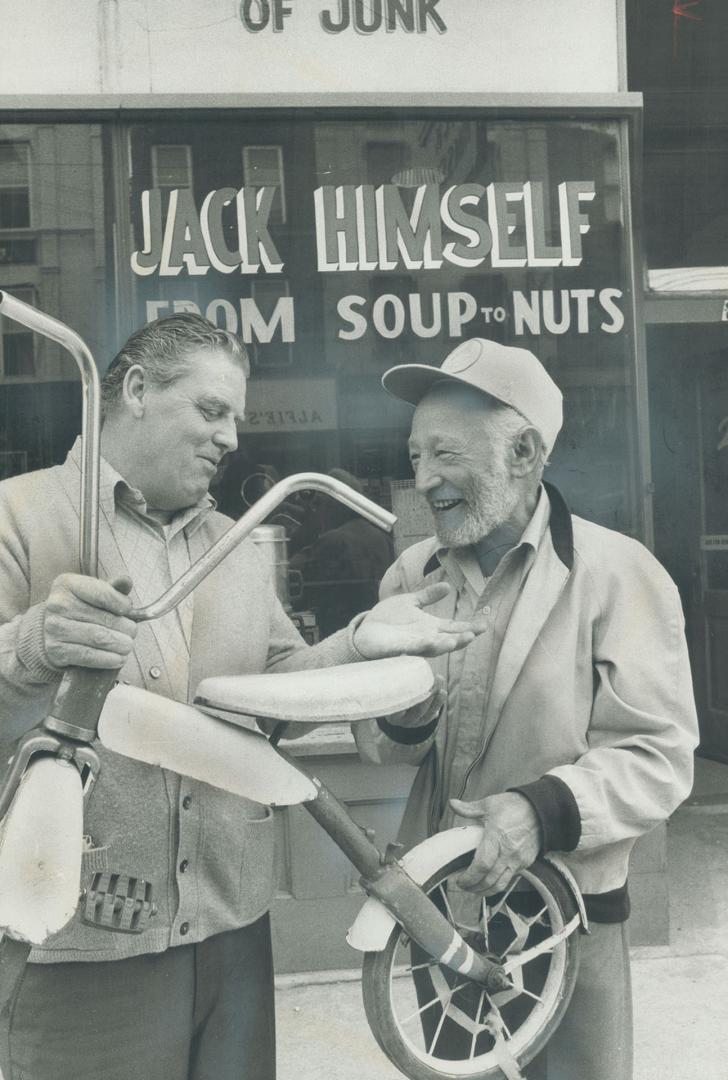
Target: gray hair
{"type": "Point", "coordinates": [161, 348]}
{"type": "Point", "coordinates": [505, 424]}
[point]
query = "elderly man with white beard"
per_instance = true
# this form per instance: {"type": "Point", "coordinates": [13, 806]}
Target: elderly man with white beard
{"type": "Point", "coordinates": [568, 726]}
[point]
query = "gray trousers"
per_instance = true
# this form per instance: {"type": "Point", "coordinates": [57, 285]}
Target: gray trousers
{"type": "Point", "coordinates": [594, 1040]}
{"type": "Point", "coordinates": [194, 1012]}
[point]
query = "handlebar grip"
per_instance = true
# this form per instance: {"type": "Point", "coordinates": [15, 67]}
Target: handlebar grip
{"type": "Point", "coordinates": [78, 702]}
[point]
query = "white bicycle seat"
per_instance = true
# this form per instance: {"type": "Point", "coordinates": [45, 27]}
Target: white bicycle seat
{"type": "Point", "coordinates": [324, 695]}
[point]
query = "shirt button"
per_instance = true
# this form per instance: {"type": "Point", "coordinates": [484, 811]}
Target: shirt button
{"type": "Point", "coordinates": [155, 672]}
{"type": "Point", "coordinates": [485, 610]}
{"type": "Point", "coordinates": [187, 802]}
{"type": "Point", "coordinates": [184, 928]}
{"type": "Point", "coordinates": [183, 865]}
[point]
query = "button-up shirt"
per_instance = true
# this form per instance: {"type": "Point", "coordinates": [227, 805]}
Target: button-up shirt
{"type": "Point", "coordinates": [159, 555]}
{"type": "Point", "coordinates": [470, 671]}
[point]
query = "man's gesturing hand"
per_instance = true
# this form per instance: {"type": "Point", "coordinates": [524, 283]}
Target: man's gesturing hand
{"type": "Point", "coordinates": [86, 622]}
{"type": "Point", "coordinates": [399, 625]}
{"type": "Point", "coordinates": [511, 840]}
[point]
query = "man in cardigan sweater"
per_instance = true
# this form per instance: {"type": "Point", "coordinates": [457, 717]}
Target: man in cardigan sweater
{"type": "Point", "coordinates": [569, 723]}
{"type": "Point", "coordinates": [190, 996]}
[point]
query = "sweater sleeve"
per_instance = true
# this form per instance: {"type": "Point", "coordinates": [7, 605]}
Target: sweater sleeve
{"type": "Point", "coordinates": [27, 679]}
{"type": "Point", "coordinates": [383, 741]}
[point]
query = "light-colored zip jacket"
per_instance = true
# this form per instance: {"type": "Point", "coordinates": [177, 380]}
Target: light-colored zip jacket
{"type": "Point", "coordinates": [591, 711]}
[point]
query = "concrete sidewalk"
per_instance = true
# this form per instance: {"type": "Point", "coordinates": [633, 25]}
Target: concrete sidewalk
{"type": "Point", "coordinates": [680, 1025]}
{"type": "Point", "coordinates": [680, 990]}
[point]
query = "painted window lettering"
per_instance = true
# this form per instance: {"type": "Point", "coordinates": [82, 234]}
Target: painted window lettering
{"type": "Point", "coordinates": [362, 227]}
{"type": "Point", "coordinates": [368, 16]}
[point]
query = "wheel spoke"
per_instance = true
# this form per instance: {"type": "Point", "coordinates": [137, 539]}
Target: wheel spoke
{"type": "Point", "coordinates": [419, 1012]}
{"type": "Point", "coordinates": [419, 967]}
{"type": "Point", "coordinates": [438, 1029]}
{"type": "Point", "coordinates": [501, 903]}
{"type": "Point", "coordinates": [486, 928]}
{"type": "Point", "coordinates": [538, 917]}
{"type": "Point", "coordinates": [521, 959]}
{"type": "Point", "coordinates": [477, 1029]}
{"type": "Point", "coordinates": [448, 909]}
{"type": "Point", "coordinates": [530, 993]}
{"type": "Point", "coordinates": [498, 1014]}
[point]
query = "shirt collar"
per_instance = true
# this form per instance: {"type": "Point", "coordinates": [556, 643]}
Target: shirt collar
{"type": "Point", "coordinates": [115, 491]}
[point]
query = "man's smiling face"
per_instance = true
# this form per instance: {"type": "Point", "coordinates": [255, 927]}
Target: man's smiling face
{"type": "Point", "coordinates": [187, 427]}
{"type": "Point", "coordinates": [461, 464]}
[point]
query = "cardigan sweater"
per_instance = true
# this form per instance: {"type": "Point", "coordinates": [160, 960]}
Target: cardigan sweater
{"type": "Point", "coordinates": [207, 854]}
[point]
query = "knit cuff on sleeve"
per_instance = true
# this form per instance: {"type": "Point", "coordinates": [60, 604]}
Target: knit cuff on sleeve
{"type": "Point", "coordinates": [557, 811]}
{"type": "Point", "coordinates": [408, 736]}
{"type": "Point", "coordinates": [31, 646]}
{"type": "Point", "coordinates": [351, 630]}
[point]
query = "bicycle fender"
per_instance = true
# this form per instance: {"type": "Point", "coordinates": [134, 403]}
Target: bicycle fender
{"type": "Point", "coordinates": [158, 731]}
{"type": "Point", "coordinates": [371, 929]}
{"type": "Point", "coordinates": [571, 883]}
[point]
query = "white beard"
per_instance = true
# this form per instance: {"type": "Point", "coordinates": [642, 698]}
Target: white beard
{"type": "Point", "coordinates": [491, 501]}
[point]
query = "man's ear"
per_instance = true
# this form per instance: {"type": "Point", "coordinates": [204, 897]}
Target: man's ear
{"type": "Point", "coordinates": [525, 452]}
{"type": "Point", "coordinates": [134, 390]}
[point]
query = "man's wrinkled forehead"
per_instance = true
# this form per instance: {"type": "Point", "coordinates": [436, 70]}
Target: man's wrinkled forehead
{"type": "Point", "coordinates": [459, 408]}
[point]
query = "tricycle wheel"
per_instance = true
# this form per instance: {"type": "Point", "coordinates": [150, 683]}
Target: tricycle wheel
{"type": "Point", "coordinates": [435, 1024]}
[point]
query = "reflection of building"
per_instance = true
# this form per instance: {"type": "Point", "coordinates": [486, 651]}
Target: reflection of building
{"type": "Point", "coordinates": [53, 254]}
{"type": "Point", "coordinates": [679, 64]}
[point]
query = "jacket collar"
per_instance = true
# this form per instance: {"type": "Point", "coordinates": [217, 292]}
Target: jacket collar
{"type": "Point", "coordinates": [562, 529]}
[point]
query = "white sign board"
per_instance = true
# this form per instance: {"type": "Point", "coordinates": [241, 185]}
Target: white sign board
{"type": "Point", "coordinates": [309, 46]}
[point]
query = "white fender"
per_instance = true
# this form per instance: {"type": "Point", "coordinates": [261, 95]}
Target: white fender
{"type": "Point", "coordinates": [158, 731]}
{"type": "Point", "coordinates": [40, 851]}
{"type": "Point", "coordinates": [371, 929]}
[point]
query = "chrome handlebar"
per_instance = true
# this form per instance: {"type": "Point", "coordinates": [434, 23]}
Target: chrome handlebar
{"type": "Point", "coordinates": [90, 419]}
{"type": "Point", "coordinates": [245, 525]}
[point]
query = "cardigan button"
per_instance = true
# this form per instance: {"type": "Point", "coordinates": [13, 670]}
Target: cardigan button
{"type": "Point", "coordinates": [184, 928]}
{"type": "Point", "coordinates": [187, 802]}
{"type": "Point", "coordinates": [183, 865]}
{"type": "Point", "coordinates": [155, 672]}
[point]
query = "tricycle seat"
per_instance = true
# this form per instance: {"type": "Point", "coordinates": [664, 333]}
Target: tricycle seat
{"type": "Point", "coordinates": [323, 695]}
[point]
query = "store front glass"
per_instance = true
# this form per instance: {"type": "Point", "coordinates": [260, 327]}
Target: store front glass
{"type": "Point", "coordinates": [677, 59]}
{"type": "Point", "coordinates": [340, 246]}
{"type": "Point", "coordinates": [55, 253]}
{"type": "Point", "coordinates": [337, 246]}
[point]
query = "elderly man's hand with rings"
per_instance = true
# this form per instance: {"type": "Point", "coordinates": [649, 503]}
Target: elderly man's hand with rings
{"type": "Point", "coordinates": [511, 840]}
{"type": "Point", "coordinates": [86, 622]}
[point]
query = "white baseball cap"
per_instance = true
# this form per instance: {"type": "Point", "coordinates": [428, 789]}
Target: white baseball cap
{"type": "Point", "coordinates": [513, 376]}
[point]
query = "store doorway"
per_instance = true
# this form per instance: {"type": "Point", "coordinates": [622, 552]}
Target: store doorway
{"type": "Point", "coordinates": [688, 369]}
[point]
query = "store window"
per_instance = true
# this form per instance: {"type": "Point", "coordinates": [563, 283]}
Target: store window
{"type": "Point", "coordinates": [56, 238]}
{"type": "Point", "coordinates": [263, 168]}
{"type": "Point", "coordinates": [16, 245]}
{"type": "Point", "coordinates": [391, 240]}
{"type": "Point", "coordinates": [172, 167]}
{"type": "Point", "coordinates": [677, 58]}
{"type": "Point", "coordinates": [17, 344]}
